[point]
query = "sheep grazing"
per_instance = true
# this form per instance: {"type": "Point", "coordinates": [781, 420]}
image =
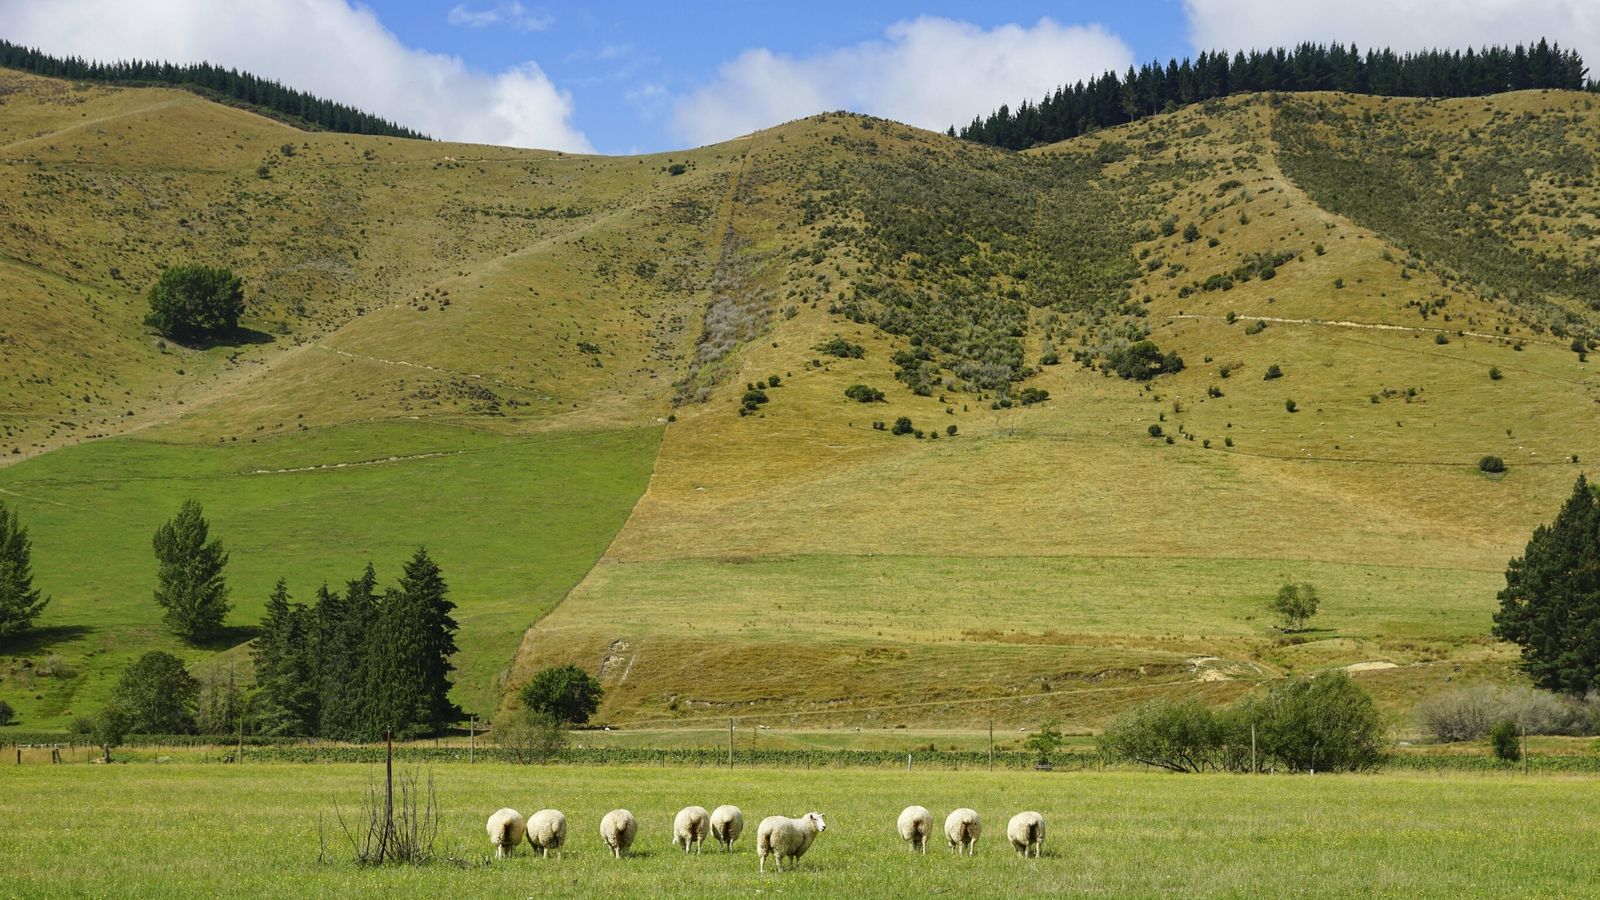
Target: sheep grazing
{"type": "Point", "coordinates": [690, 828]}
{"type": "Point", "coordinates": [915, 824]}
{"type": "Point", "coordinates": [506, 830]}
{"type": "Point", "coordinates": [618, 829]}
{"type": "Point", "coordinates": [1026, 831]}
{"type": "Point", "coordinates": [784, 838]}
{"type": "Point", "coordinates": [727, 823]}
{"type": "Point", "coordinates": [962, 829]}
{"type": "Point", "coordinates": [547, 830]}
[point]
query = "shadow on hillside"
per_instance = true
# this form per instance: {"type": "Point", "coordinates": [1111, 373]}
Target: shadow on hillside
{"type": "Point", "coordinates": [238, 337]}
{"type": "Point", "coordinates": [227, 638]}
{"type": "Point", "coordinates": [36, 641]}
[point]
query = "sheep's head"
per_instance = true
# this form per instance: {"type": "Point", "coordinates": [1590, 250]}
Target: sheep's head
{"type": "Point", "coordinates": [816, 821]}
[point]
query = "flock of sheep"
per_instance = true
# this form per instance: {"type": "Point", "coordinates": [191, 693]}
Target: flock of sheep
{"type": "Point", "coordinates": [779, 837]}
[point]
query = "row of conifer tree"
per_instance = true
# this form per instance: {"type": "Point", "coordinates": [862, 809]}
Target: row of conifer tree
{"type": "Point", "coordinates": [1153, 88]}
{"type": "Point", "coordinates": [299, 107]}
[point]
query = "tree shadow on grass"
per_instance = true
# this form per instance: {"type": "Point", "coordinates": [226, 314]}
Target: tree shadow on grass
{"type": "Point", "coordinates": [39, 640]}
{"type": "Point", "coordinates": [227, 637]}
{"type": "Point", "coordinates": [238, 337]}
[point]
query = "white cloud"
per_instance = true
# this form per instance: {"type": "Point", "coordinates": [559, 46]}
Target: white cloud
{"type": "Point", "coordinates": [1401, 24]}
{"type": "Point", "coordinates": [327, 47]}
{"type": "Point", "coordinates": [514, 14]}
{"type": "Point", "coordinates": [930, 72]}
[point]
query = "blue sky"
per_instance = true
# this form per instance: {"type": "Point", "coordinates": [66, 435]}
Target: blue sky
{"type": "Point", "coordinates": [603, 52]}
{"type": "Point", "coordinates": [613, 76]}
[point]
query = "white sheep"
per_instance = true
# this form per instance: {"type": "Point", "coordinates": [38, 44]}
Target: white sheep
{"type": "Point", "coordinates": [1026, 831]}
{"type": "Point", "coordinates": [915, 824]}
{"type": "Point", "coordinates": [962, 828]}
{"type": "Point", "coordinates": [547, 830]}
{"type": "Point", "coordinates": [690, 827]}
{"type": "Point", "coordinates": [506, 830]}
{"type": "Point", "coordinates": [727, 823]}
{"type": "Point", "coordinates": [784, 838]}
{"type": "Point", "coordinates": [618, 829]}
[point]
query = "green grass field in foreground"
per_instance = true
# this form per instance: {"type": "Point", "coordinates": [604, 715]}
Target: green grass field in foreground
{"type": "Point", "coordinates": [513, 522]}
{"type": "Point", "coordinates": [210, 830]}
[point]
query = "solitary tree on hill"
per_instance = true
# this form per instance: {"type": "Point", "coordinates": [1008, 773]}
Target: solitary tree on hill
{"type": "Point", "coordinates": [1295, 604]}
{"type": "Point", "coordinates": [1551, 602]}
{"type": "Point", "coordinates": [195, 302]}
{"type": "Point", "coordinates": [566, 693]}
{"type": "Point", "coordinates": [189, 582]}
{"type": "Point", "coordinates": [20, 601]}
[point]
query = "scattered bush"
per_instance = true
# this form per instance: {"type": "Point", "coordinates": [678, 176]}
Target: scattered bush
{"type": "Point", "coordinates": [1143, 361]}
{"type": "Point", "coordinates": [1032, 395]}
{"type": "Point", "coordinates": [902, 425]}
{"type": "Point", "coordinates": [1291, 406]}
{"type": "Point", "coordinates": [1154, 430]}
{"type": "Point", "coordinates": [1191, 233]}
{"type": "Point", "coordinates": [863, 394]}
{"type": "Point", "coordinates": [841, 348]}
{"type": "Point", "coordinates": [1273, 372]}
{"type": "Point", "coordinates": [7, 714]}
{"type": "Point", "coordinates": [950, 430]}
{"type": "Point", "coordinates": [1491, 464]}
{"type": "Point", "coordinates": [1494, 373]}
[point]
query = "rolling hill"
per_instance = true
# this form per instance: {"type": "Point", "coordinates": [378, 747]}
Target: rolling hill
{"type": "Point", "coordinates": [545, 368]}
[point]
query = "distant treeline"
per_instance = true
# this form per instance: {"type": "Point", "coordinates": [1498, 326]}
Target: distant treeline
{"type": "Point", "coordinates": [296, 107]}
{"type": "Point", "coordinates": [1108, 100]}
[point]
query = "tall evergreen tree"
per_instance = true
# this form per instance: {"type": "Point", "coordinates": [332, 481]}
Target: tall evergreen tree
{"type": "Point", "coordinates": [424, 588]}
{"type": "Point", "coordinates": [1551, 602]}
{"type": "Point", "coordinates": [20, 601]}
{"type": "Point", "coordinates": [189, 582]}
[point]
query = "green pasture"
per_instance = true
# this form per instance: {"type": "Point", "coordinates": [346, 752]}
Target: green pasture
{"type": "Point", "coordinates": [514, 523]}
{"type": "Point", "coordinates": [273, 830]}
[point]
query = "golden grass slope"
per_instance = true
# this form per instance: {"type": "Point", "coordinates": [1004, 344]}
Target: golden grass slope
{"type": "Point", "coordinates": [800, 564]}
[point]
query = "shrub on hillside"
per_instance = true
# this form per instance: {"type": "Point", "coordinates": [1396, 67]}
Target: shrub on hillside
{"type": "Point", "coordinates": [863, 394]}
{"type": "Point", "coordinates": [1295, 604]}
{"type": "Point", "coordinates": [841, 348]}
{"type": "Point", "coordinates": [902, 425]}
{"type": "Point", "coordinates": [1493, 465]}
{"type": "Point", "coordinates": [7, 714]}
{"type": "Point", "coordinates": [1032, 395]}
{"type": "Point", "coordinates": [1143, 361]}
{"type": "Point", "coordinates": [195, 302]}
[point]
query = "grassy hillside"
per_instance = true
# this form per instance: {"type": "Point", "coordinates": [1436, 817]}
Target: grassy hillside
{"type": "Point", "coordinates": [542, 321]}
{"type": "Point", "coordinates": [1055, 559]}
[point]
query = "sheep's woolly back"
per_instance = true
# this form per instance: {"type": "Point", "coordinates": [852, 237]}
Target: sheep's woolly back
{"type": "Point", "coordinates": [915, 825]}
{"type": "Point", "coordinates": [547, 829]}
{"type": "Point", "coordinates": [506, 829]}
{"type": "Point", "coordinates": [690, 827]}
{"type": "Point", "coordinates": [618, 829]}
{"type": "Point", "coordinates": [786, 838]}
{"type": "Point", "coordinates": [962, 828]}
{"type": "Point", "coordinates": [1026, 830]}
{"type": "Point", "coordinates": [727, 823]}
